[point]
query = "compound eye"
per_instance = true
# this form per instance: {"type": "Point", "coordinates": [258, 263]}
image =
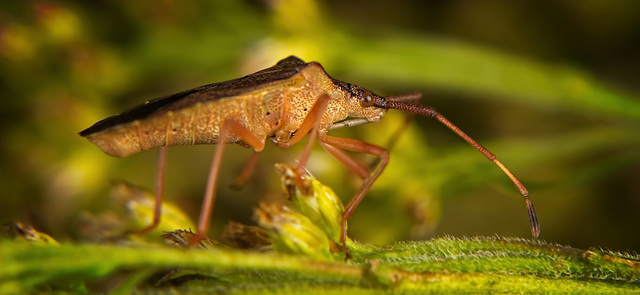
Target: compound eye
{"type": "Point", "coordinates": [367, 99]}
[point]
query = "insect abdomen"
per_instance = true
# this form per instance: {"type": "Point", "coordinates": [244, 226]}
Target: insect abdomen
{"type": "Point", "coordinates": [199, 124]}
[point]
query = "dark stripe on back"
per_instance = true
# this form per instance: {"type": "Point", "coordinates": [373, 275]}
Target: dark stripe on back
{"type": "Point", "coordinates": [284, 69]}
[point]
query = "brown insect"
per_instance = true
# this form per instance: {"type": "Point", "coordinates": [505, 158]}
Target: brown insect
{"type": "Point", "coordinates": [283, 103]}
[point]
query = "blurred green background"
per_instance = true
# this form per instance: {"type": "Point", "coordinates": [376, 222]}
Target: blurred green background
{"type": "Point", "coordinates": [550, 87]}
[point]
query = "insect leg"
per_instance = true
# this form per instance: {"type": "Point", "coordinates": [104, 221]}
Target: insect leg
{"type": "Point", "coordinates": [246, 173]}
{"type": "Point", "coordinates": [157, 209]}
{"type": "Point", "coordinates": [228, 127]}
{"type": "Point", "coordinates": [361, 147]}
{"type": "Point", "coordinates": [311, 121]}
{"type": "Point", "coordinates": [313, 117]}
{"type": "Point", "coordinates": [347, 160]}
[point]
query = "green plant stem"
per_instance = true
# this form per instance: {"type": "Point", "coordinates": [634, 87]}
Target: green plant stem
{"type": "Point", "coordinates": [443, 264]}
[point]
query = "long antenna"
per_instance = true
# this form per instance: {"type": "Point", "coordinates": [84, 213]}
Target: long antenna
{"type": "Point", "coordinates": [428, 111]}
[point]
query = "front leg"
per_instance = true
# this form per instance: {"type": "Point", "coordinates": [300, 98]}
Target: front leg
{"type": "Point", "coordinates": [333, 144]}
{"type": "Point", "coordinates": [311, 121]}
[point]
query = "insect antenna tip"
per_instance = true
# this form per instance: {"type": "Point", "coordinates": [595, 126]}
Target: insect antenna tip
{"type": "Point", "coordinates": [533, 219]}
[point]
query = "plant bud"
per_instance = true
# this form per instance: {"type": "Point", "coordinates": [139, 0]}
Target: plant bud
{"type": "Point", "coordinates": [292, 232]}
{"type": "Point", "coordinates": [314, 200]}
{"type": "Point", "coordinates": [21, 231]}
